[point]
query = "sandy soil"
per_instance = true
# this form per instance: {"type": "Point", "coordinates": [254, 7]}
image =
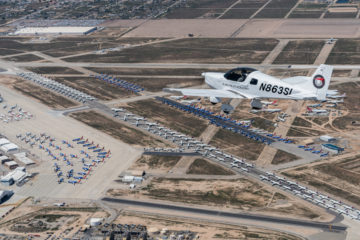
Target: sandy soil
{"type": "Point", "coordinates": [70, 225]}
{"type": "Point", "coordinates": [122, 23]}
{"type": "Point", "coordinates": [255, 28]}
{"type": "Point", "coordinates": [204, 230]}
{"type": "Point", "coordinates": [244, 194]}
{"type": "Point", "coordinates": [181, 28]}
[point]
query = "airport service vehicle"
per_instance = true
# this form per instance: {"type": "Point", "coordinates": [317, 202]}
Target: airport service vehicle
{"type": "Point", "coordinates": [252, 84]}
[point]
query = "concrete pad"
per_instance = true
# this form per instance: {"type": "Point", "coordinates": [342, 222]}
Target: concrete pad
{"type": "Point", "coordinates": [319, 28]}
{"type": "Point", "coordinates": [328, 236]}
{"type": "Point", "coordinates": [306, 28]}
{"type": "Point", "coordinates": [353, 228]}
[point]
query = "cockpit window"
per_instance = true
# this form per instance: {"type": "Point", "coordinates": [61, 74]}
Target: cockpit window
{"type": "Point", "coordinates": [238, 74]}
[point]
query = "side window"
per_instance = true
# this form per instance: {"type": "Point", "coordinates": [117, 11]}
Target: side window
{"type": "Point", "coordinates": [254, 81]}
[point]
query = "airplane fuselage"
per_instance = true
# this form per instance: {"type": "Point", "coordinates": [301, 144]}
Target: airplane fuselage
{"type": "Point", "coordinates": [257, 84]}
{"type": "Point", "coordinates": [249, 83]}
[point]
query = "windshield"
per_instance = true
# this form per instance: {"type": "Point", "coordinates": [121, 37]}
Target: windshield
{"type": "Point", "coordinates": [238, 74]}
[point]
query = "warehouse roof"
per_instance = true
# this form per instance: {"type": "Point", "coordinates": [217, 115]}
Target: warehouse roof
{"type": "Point", "coordinates": [9, 147]}
{"type": "Point", "coordinates": [4, 141]}
{"type": "Point", "coordinates": [3, 158]}
{"type": "Point", "coordinates": [11, 163]}
{"type": "Point", "coordinates": [53, 30]}
{"type": "Point", "coordinates": [15, 175]}
{"type": "Point", "coordinates": [23, 158]}
{"type": "Point", "coordinates": [334, 147]}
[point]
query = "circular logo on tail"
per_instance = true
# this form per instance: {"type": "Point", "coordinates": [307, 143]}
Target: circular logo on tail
{"type": "Point", "coordinates": [319, 81]}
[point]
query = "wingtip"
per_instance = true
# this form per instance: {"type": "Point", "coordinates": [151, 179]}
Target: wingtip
{"type": "Point", "coordinates": [171, 90]}
{"type": "Point", "coordinates": [167, 90]}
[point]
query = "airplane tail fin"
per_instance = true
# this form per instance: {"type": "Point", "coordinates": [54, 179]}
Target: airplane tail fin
{"type": "Point", "coordinates": [320, 81]}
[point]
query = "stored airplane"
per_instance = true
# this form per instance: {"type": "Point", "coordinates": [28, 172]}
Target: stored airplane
{"type": "Point", "coordinates": [252, 84]}
{"type": "Point", "coordinates": [334, 105]}
{"type": "Point", "coordinates": [270, 110]}
{"type": "Point", "coordinates": [190, 101]}
{"type": "Point", "coordinates": [314, 105]}
{"type": "Point", "coordinates": [177, 97]}
{"type": "Point", "coordinates": [324, 154]}
{"type": "Point", "coordinates": [337, 96]}
{"type": "Point", "coordinates": [266, 103]}
{"type": "Point", "coordinates": [335, 101]}
{"type": "Point", "coordinates": [332, 92]}
{"type": "Point", "coordinates": [316, 110]}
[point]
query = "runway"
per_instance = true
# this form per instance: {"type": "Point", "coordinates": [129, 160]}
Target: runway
{"type": "Point", "coordinates": [185, 210]}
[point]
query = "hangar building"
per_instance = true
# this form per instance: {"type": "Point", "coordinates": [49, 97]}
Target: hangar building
{"type": "Point", "coordinates": [332, 148]}
{"type": "Point", "coordinates": [55, 30]}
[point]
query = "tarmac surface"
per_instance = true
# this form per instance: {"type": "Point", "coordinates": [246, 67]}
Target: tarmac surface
{"type": "Point", "coordinates": [159, 153]}
{"type": "Point", "coordinates": [332, 230]}
{"type": "Point", "coordinates": [63, 128]}
{"type": "Point", "coordinates": [153, 205]}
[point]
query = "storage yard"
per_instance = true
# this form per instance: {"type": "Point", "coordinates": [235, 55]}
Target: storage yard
{"type": "Point", "coordinates": [50, 154]}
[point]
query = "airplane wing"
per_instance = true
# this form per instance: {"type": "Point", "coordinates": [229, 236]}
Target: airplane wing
{"type": "Point", "coordinates": [208, 93]}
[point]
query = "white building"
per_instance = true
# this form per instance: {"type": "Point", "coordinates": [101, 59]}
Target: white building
{"type": "Point", "coordinates": [130, 179]}
{"type": "Point", "coordinates": [7, 180]}
{"type": "Point", "coordinates": [95, 221]}
{"type": "Point", "coordinates": [327, 138]}
{"type": "Point", "coordinates": [54, 30]}
{"type": "Point", "coordinates": [15, 176]}
{"type": "Point", "coordinates": [4, 141]}
{"type": "Point", "coordinates": [9, 147]}
{"type": "Point", "coordinates": [332, 148]}
{"type": "Point", "coordinates": [11, 164]}
{"type": "Point", "coordinates": [4, 159]}
{"type": "Point", "coordinates": [21, 157]}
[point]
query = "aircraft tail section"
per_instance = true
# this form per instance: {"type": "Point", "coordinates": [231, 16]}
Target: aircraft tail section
{"type": "Point", "coordinates": [320, 81]}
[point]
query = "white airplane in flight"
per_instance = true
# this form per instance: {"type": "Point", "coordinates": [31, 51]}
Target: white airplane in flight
{"type": "Point", "coordinates": [252, 84]}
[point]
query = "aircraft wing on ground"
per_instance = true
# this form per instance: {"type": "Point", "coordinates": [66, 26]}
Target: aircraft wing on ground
{"type": "Point", "coordinates": [219, 93]}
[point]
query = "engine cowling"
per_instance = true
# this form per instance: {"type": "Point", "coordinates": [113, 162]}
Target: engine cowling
{"type": "Point", "coordinates": [256, 104]}
{"type": "Point", "coordinates": [215, 100]}
{"type": "Point", "coordinates": [227, 108]}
